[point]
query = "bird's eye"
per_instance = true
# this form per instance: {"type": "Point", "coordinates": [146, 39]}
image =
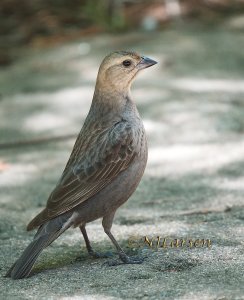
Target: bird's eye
{"type": "Point", "coordinates": [126, 63]}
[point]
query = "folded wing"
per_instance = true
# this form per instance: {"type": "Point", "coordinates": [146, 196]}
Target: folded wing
{"type": "Point", "coordinates": [95, 161]}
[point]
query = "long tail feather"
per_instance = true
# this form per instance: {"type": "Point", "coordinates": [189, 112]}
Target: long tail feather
{"type": "Point", "coordinates": [44, 237]}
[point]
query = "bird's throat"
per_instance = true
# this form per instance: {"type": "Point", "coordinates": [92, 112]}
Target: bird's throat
{"type": "Point", "coordinates": [112, 104]}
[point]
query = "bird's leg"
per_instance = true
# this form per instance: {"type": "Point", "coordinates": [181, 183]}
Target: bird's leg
{"type": "Point", "coordinates": [107, 224]}
{"type": "Point", "coordinates": [88, 244]}
{"type": "Point", "coordinates": [89, 247]}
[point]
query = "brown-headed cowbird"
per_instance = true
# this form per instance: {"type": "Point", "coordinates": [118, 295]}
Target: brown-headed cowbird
{"type": "Point", "coordinates": [104, 168]}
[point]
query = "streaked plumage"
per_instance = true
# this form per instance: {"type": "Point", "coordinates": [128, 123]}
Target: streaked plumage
{"type": "Point", "coordinates": [105, 166]}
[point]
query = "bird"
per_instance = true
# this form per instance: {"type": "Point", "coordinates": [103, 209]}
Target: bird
{"type": "Point", "coordinates": [105, 166]}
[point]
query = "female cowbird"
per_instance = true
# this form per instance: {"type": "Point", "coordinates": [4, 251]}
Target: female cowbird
{"type": "Point", "coordinates": [104, 168]}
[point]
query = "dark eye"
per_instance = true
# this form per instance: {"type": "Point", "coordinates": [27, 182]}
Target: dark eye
{"type": "Point", "coordinates": [126, 63]}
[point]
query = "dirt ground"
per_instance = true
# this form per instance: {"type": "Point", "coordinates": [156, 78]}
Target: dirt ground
{"type": "Point", "coordinates": [193, 188]}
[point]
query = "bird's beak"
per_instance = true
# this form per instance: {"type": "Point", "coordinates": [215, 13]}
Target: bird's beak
{"type": "Point", "coordinates": [145, 62]}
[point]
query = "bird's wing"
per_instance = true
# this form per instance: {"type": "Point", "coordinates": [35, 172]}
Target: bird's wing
{"type": "Point", "coordinates": [94, 163]}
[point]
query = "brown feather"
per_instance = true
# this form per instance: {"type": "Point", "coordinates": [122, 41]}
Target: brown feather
{"type": "Point", "coordinates": [83, 177]}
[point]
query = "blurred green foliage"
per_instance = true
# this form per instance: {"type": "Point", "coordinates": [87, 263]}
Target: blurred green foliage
{"type": "Point", "coordinates": [108, 14]}
{"type": "Point", "coordinates": [46, 22]}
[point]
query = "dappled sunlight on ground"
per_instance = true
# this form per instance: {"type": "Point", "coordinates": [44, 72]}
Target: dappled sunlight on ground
{"type": "Point", "coordinates": [199, 85]}
{"type": "Point", "coordinates": [229, 184]}
{"type": "Point", "coordinates": [181, 159]}
{"type": "Point", "coordinates": [193, 187]}
{"type": "Point", "coordinates": [88, 297]}
{"type": "Point", "coordinates": [45, 121]}
{"type": "Point", "coordinates": [17, 174]}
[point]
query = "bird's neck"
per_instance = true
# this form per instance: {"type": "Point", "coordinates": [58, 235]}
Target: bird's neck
{"type": "Point", "coordinates": [112, 103]}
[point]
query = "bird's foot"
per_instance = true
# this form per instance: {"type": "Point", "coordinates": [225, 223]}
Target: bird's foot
{"type": "Point", "coordinates": [95, 254]}
{"type": "Point", "coordinates": [125, 259]}
{"type": "Point", "coordinates": [130, 260]}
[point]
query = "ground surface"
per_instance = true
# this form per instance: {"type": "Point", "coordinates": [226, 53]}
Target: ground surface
{"type": "Point", "coordinates": [193, 108]}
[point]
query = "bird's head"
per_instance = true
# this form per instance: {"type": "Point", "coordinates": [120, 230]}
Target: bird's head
{"type": "Point", "coordinates": [119, 68]}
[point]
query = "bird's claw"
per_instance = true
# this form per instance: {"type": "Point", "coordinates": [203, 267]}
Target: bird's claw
{"type": "Point", "coordinates": [95, 254]}
{"type": "Point", "coordinates": [124, 259]}
{"type": "Point", "coordinates": [130, 260]}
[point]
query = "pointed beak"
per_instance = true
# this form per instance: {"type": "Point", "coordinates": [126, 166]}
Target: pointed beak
{"type": "Point", "coordinates": [145, 62]}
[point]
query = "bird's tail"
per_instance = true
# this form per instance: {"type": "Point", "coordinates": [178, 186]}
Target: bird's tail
{"type": "Point", "coordinates": [46, 234]}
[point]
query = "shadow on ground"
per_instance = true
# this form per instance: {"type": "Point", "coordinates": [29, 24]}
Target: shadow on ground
{"type": "Point", "coordinates": [192, 106]}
